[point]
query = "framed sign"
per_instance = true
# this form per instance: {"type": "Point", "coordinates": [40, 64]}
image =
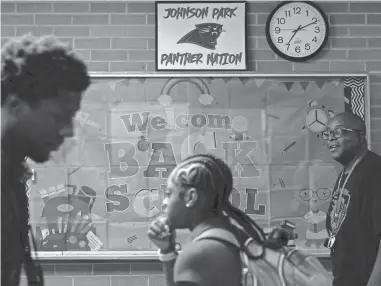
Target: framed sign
{"type": "Point", "coordinates": [98, 194]}
{"type": "Point", "coordinates": [201, 36]}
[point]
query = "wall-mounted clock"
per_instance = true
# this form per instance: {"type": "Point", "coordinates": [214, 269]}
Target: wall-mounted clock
{"type": "Point", "coordinates": [297, 30]}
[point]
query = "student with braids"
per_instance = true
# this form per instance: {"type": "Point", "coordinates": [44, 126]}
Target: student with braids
{"type": "Point", "coordinates": [197, 198]}
{"type": "Point", "coordinates": [196, 194]}
{"type": "Point", "coordinates": [42, 81]}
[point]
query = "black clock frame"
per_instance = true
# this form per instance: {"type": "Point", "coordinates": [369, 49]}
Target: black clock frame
{"type": "Point", "coordinates": [281, 54]}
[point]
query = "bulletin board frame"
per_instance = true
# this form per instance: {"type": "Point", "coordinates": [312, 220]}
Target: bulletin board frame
{"type": "Point", "coordinates": [152, 255]}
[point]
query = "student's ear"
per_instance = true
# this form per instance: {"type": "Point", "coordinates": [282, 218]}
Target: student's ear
{"type": "Point", "coordinates": [190, 197]}
{"type": "Point", "coordinates": [15, 105]}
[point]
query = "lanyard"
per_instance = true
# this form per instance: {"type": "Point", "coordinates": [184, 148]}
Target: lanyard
{"type": "Point", "coordinates": [336, 219]}
{"type": "Point", "coordinates": [337, 207]}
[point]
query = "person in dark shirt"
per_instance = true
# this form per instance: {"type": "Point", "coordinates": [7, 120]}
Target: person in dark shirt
{"type": "Point", "coordinates": [197, 198]}
{"type": "Point", "coordinates": [42, 81]}
{"type": "Point", "coordinates": [354, 215]}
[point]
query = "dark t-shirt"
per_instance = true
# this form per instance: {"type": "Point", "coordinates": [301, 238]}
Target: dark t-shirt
{"type": "Point", "coordinates": [208, 262]}
{"type": "Point", "coordinates": [14, 210]}
{"type": "Point", "coordinates": [355, 250]}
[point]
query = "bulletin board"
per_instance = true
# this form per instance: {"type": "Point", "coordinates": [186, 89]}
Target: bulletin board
{"type": "Point", "coordinates": [97, 195]}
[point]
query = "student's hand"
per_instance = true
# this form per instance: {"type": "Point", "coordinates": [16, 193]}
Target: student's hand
{"type": "Point", "coordinates": [161, 235]}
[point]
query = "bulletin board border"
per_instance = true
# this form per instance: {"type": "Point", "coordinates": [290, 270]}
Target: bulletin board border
{"type": "Point", "coordinates": [152, 255]}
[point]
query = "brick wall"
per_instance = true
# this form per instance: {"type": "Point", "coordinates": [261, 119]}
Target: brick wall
{"type": "Point", "coordinates": [120, 37]}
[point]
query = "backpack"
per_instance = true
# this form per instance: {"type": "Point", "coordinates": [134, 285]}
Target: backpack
{"type": "Point", "coordinates": [263, 266]}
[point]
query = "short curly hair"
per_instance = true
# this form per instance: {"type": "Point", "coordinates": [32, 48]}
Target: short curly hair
{"type": "Point", "coordinates": [34, 68]}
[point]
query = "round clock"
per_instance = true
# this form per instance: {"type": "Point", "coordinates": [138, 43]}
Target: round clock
{"type": "Point", "coordinates": [316, 120]}
{"type": "Point", "coordinates": [297, 31]}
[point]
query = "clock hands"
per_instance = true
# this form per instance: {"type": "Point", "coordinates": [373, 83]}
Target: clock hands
{"type": "Point", "coordinates": [293, 35]}
{"type": "Point", "coordinates": [286, 29]}
{"type": "Point", "coordinates": [317, 119]}
{"type": "Point", "coordinates": [297, 30]}
{"type": "Point", "coordinates": [302, 27]}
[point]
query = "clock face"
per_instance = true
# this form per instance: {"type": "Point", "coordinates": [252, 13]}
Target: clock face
{"type": "Point", "coordinates": [316, 120]}
{"type": "Point", "coordinates": [297, 31]}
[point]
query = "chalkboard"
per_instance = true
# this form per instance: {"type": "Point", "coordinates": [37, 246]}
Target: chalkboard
{"type": "Point", "coordinates": [98, 193]}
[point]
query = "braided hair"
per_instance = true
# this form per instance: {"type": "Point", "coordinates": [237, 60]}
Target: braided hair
{"type": "Point", "coordinates": [211, 174]}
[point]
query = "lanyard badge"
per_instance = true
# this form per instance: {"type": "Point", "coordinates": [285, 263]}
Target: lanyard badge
{"type": "Point", "coordinates": [330, 242]}
{"type": "Point", "coordinates": [341, 206]}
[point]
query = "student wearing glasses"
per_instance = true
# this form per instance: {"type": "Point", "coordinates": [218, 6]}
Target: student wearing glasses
{"type": "Point", "coordinates": [354, 215]}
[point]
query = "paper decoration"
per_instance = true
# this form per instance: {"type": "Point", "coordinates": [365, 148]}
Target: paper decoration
{"type": "Point", "coordinates": [288, 85]}
{"type": "Point", "coordinates": [273, 116]}
{"type": "Point", "coordinates": [205, 99]}
{"type": "Point", "coordinates": [170, 113]}
{"type": "Point", "coordinates": [75, 170]}
{"type": "Point", "coordinates": [320, 83]}
{"type": "Point", "coordinates": [52, 192]}
{"type": "Point", "coordinates": [288, 147]}
{"type": "Point", "coordinates": [277, 130]}
{"type": "Point", "coordinates": [209, 79]}
{"type": "Point", "coordinates": [141, 79]}
{"type": "Point", "coordinates": [116, 102]}
{"type": "Point", "coordinates": [244, 80]}
{"type": "Point", "coordinates": [125, 82]}
{"type": "Point", "coordinates": [164, 99]}
{"type": "Point", "coordinates": [112, 85]}
{"type": "Point", "coordinates": [94, 242]}
{"type": "Point", "coordinates": [357, 101]}
{"type": "Point", "coordinates": [354, 93]}
{"type": "Point", "coordinates": [304, 84]}
{"type": "Point", "coordinates": [82, 117]}
{"type": "Point", "coordinates": [93, 124]}
{"type": "Point", "coordinates": [131, 239]}
{"type": "Point", "coordinates": [335, 82]}
{"type": "Point", "coordinates": [259, 81]}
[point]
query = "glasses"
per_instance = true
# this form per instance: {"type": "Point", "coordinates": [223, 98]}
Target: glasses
{"type": "Point", "coordinates": [322, 193]}
{"type": "Point", "coordinates": [337, 132]}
